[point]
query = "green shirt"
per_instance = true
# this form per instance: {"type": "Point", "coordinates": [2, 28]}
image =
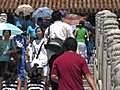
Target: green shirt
{"type": "Point", "coordinates": [4, 48]}
{"type": "Point", "coordinates": [81, 32]}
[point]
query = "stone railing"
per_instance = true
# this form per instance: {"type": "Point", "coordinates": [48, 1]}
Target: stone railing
{"type": "Point", "coordinates": [107, 50]}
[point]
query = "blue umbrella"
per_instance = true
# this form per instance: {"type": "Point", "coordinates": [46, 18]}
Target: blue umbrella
{"type": "Point", "coordinates": [7, 26]}
{"type": "Point", "coordinates": [42, 12]}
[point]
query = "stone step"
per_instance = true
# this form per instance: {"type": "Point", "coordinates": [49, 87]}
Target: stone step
{"type": "Point", "coordinates": [85, 83]}
{"type": "Point", "coordinates": [22, 88]}
{"type": "Point", "coordinates": [87, 88]}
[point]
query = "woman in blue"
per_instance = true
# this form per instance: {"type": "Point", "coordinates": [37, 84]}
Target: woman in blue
{"type": "Point", "coordinates": [5, 46]}
{"type": "Point", "coordinates": [31, 29]}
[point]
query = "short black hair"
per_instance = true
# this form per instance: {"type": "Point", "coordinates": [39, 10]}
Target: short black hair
{"type": "Point", "coordinates": [70, 43]}
{"type": "Point", "coordinates": [39, 19]}
{"type": "Point", "coordinates": [41, 30]}
{"type": "Point", "coordinates": [56, 16]}
{"type": "Point", "coordinates": [8, 31]}
{"type": "Point", "coordinates": [38, 28]}
{"type": "Point", "coordinates": [32, 19]}
{"type": "Point", "coordinates": [21, 12]}
{"type": "Point", "coordinates": [35, 73]}
{"type": "Point", "coordinates": [10, 72]}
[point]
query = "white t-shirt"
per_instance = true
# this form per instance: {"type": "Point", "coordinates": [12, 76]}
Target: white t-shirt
{"type": "Point", "coordinates": [60, 30]}
{"type": "Point", "coordinates": [42, 58]}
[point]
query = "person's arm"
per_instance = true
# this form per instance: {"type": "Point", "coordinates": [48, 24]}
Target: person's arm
{"type": "Point", "coordinates": [91, 81]}
{"type": "Point", "coordinates": [25, 85]}
{"type": "Point", "coordinates": [75, 33]}
{"type": "Point", "coordinates": [54, 78]}
{"type": "Point", "coordinates": [87, 34]}
{"type": "Point", "coordinates": [28, 31]}
{"type": "Point", "coordinates": [54, 72]}
{"type": "Point", "coordinates": [19, 84]}
{"type": "Point", "coordinates": [88, 76]}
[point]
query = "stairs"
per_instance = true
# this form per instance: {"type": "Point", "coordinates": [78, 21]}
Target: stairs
{"type": "Point", "coordinates": [85, 83]}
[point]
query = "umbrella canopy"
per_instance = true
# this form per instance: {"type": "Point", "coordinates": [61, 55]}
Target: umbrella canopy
{"type": "Point", "coordinates": [25, 8]}
{"type": "Point", "coordinates": [72, 19]}
{"type": "Point", "coordinates": [42, 12]}
{"type": "Point", "coordinates": [7, 26]}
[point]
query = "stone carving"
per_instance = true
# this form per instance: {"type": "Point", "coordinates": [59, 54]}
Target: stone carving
{"type": "Point", "coordinates": [108, 49]}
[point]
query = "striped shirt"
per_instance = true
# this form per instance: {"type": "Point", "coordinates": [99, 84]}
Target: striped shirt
{"type": "Point", "coordinates": [9, 86]}
{"type": "Point", "coordinates": [35, 86]}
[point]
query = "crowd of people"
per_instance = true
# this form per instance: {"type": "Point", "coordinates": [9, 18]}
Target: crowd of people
{"type": "Point", "coordinates": [48, 53]}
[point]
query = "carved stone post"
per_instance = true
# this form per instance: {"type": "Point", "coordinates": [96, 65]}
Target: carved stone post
{"type": "Point", "coordinates": [107, 38]}
{"type": "Point", "coordinates": [99, 40]}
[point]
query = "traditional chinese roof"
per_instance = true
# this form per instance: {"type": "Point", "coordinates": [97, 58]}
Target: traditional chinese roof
{"type": "Point", "coordinates": [74, 6]}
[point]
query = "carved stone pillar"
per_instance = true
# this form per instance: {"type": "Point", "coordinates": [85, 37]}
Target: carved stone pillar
{"type": "Point", "coordinates": [107, 38]}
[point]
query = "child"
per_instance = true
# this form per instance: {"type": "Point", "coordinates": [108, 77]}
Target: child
{"type": "Point", "coordinates": [10, 80]}
{"type": "Point", "coordinates": [35, 79]}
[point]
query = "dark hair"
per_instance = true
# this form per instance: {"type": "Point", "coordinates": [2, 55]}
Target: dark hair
{"type": "Point", "coordinates": [56, 16]}
{"type": "Point", "coordinates": [41, 30]}
{"type": "Point", "coordinates": [10, 18]}
{"type": "Point", "coordinates": [39, 19]}
{"type": "Point", "coordinates": [70, 44]}
{"type": "Point", "coordinates": [21, 13]}
{"type": "Point", "coordinates": [38, 28]}
{"type": "Point", "coordinates": [35, 73]}
{"type": "Point", "coordinates": [10, 72]}
{"type": "Point", "coordinates": [8, 31]}
{"type": "Point", "coordinates": [32, 19]}
{"type": "Point", "coordinates": [82, 22]}
{"type": "Point", "coordinates": [24, 33]}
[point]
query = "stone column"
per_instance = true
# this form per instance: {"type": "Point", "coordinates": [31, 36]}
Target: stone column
{"type": "Point", "coordinates": [107, 36]}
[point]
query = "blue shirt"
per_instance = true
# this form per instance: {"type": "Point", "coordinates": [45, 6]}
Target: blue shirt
{"type": "Point", "coordinates": [31, 30]}
{"type": "Point", "coordinates": [4, 48]}
{"type": "Point", "coordinates": [19, 22]}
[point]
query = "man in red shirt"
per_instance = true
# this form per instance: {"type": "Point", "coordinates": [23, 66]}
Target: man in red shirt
{"type": "Point", "coordinates": [69, 67]}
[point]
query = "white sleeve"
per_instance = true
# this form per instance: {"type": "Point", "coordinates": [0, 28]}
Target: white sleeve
{"type": "Point", "coordinates": [45, 36]}
{"type": "Point", "coordinates": [33, 47]}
